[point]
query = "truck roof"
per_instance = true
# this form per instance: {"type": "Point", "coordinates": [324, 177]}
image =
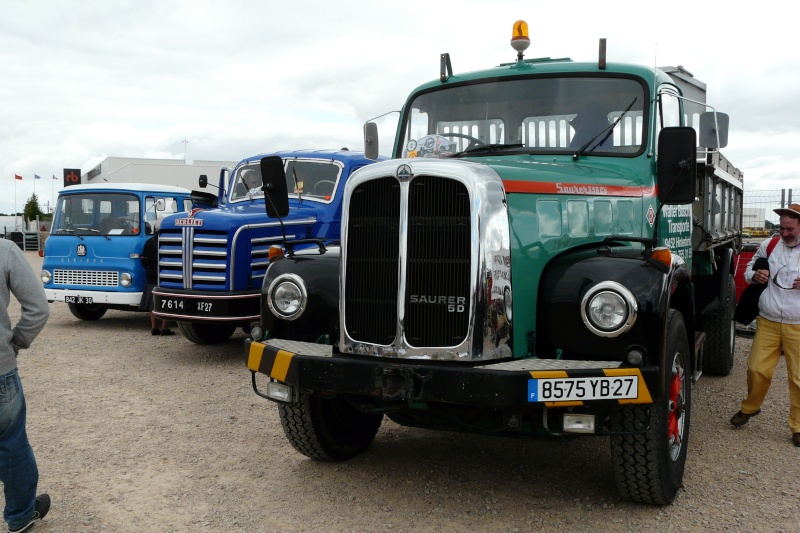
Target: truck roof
{"type": "Point", "coordinates": [548, 65]}
{"type": "Point", "coordinates": [339, 155]}
{"type": "Point", "coordinates": [124, 187]}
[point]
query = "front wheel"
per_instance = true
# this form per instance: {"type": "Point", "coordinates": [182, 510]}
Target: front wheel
{"type": "Point", "coordinates": [328, 429]}
{"type": "Point", "coordinates": [206, 333]}
{"type": "Point", "coordinates": [88, 311]}
{"type": "Point", "coordinates": [648, 467]}
{"type": "Point", "coordinates": [721, 336]}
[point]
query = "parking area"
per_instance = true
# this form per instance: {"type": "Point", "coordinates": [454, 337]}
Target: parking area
{"type": "Point", "coordinates": [135, 432]}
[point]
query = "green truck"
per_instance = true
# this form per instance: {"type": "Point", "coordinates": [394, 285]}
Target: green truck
{"type": "Point", "coordinates": [548, 254]}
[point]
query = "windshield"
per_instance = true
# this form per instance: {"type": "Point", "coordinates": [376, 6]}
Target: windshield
{"type": "Point", "coordinates": [314, 179]}
{"type": "Point", "coordinates": [98, 213]}
{"type": "Point", "coordinates": [594, 115]}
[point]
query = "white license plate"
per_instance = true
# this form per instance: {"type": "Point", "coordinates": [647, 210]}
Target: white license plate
{"type": "Point", "coordinates": [88, 300]}
{"type": "Point", "coordinates": [581, 389]}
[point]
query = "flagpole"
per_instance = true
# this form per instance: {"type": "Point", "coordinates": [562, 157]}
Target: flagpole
{"type": "Point", "coordinates": [16, 223]}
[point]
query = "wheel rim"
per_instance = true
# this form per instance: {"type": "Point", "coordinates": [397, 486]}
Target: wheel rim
{"type": "Point", "coordinates": [675, 418]}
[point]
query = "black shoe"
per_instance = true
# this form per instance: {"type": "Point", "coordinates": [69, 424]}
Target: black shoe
{"type": "Point", "coordinates": [796, 439]}
{"type": "Point", "coordinates": [167, 331]}
{"type": "Point", "coordinates": [42, 506]}
{"type": "Point", "coordinates": [740, 418]}
{"type": "Point", "coordinates": [155, 331]}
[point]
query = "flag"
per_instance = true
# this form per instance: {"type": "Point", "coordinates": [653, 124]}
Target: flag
{"type": "Point", "coordinates": [37, 177]}
{"type": "Point", "coordinates": [17, 177]}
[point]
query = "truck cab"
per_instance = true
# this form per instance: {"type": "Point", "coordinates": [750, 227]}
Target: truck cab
{"type": "Point", "coordinates": [212, 262]}
{"type": "Point", "coordinates": [92, 258]}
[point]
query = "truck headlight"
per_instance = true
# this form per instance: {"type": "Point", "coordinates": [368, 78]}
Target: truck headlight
{"type": "Point", "coordinates": [125, 279]}
{"type": "Point", "coordinates": [46, 276]}
{"type": "Point", "coordinates": [287, 296]}
{"type": "Point", "coordinates": [609, 309]}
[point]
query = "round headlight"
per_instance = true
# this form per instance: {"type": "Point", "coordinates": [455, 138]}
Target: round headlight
{"type": "Point", "coordinates": [287, 297]}
{"type": "Point", "coordinates": [609, 309]}
{"type": "Point", "coordinates": [46, 276]}
{"type": "Point", "coordinates": [125, 279]}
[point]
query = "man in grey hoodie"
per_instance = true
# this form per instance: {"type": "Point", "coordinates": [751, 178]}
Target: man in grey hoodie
{"type": "Point", "coordinates": [18, 470]}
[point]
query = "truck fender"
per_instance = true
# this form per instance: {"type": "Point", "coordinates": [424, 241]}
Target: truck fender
{"type": "Point", "coordinates": [561, 326]}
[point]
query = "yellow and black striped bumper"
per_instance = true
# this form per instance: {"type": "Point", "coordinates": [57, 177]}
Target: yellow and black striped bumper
{"type": "Point", "coordinates": [507, 384]}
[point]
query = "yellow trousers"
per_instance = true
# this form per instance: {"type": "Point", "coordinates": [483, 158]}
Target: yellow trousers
{"type": "Point", "coordinates": [770, 340]}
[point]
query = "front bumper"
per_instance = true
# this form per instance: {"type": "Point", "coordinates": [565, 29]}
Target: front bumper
{"type": "Point", "coordinates": [98, 297]}
{"type": "Point", "coordinates": [196, 306]}
{"type": "Point", "coordinates": [498, 385]}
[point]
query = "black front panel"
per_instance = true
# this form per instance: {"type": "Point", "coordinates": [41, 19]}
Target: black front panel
{"type": "Point", "coordinates": [438, 262]}
{"type": "Point", "coordinates": [373, 242]}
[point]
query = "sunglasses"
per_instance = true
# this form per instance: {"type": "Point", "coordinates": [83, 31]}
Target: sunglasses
{"type": "Point", "coordinates": [775, 280]}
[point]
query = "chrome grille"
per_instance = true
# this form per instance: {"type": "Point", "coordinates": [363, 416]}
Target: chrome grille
{"type": "Point", "coordinates": [373, 255]}
{"type": "Point", "coordinates": [437, 262]}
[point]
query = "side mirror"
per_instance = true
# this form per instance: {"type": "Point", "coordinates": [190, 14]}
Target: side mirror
{"type": "Point", "coordinates": [677, 164]}
{"type": "Point", "coordinates": [203, 181]}
{"type": "Point", "coordinates": [714, 130]}
{"type": "Point", "coordinates": [276, 195]}
{"type": "Point", "coordinates": [371, 140]}
{"type": "Point", "coordinates": [161, 204]}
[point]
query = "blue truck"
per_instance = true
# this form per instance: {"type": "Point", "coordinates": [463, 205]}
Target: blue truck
{"type": "Point", "coordinates": [212, 262]}
{"type": "Point", "coordinates": [92, 258]}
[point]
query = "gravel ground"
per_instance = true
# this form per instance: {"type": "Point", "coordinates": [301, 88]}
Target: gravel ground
{"type": "Point", "coordinates": [140, 433]}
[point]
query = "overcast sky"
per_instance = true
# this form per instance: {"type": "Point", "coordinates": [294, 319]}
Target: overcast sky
{"type": "Point", "coordinates": [84, 80]}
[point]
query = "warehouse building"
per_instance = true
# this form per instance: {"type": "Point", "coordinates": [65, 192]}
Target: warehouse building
{"type": "Point", "coordinates": [157, 171]}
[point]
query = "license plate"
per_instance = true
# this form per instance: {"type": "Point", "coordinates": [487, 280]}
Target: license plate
{"type": "Point", "coordinates": [88, 300]}
{"type": "Point", "coordinates": [191, 306]}
{"type": "Point", "coordinates": [581, 389]}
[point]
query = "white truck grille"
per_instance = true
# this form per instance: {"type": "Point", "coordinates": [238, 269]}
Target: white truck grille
{"type": "Point", "coordinates": [95, 278]}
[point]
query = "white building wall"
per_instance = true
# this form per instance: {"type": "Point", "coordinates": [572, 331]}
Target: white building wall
{"type": "Point", "coordinates": [753, 217]}
{"type": "Point", "coordinates": [157, 171]}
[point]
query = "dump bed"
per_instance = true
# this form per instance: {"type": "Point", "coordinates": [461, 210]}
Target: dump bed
{"type": "Point", "coordinates": [717, 210]}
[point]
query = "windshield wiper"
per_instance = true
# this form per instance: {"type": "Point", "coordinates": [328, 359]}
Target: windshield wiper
{"type": "Point", "coordinates": [607, 130]}
{"type": "Point", "coordinates": [486, 149]}
{"type": "Point", "coordinates": [93, 230]}
{"type": "Point", "coordinates": [69, 230]}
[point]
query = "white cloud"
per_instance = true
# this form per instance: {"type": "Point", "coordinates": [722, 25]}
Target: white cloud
{"type": "Point", "coordinates": [80, 81]}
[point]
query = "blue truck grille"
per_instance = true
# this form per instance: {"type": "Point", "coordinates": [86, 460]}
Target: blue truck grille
{"type": "Point", "coordinates": [193, 259]}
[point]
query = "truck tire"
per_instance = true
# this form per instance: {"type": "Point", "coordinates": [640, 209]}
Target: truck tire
{"type": "Point", "coordinates": [721, 337]}
{"type": "Point", "coordinates": [327, 429]}
{"type": "Point", "coordinates": [206, 333]}
{"type": "Point", "coordinates": [88, 311]}
{"type": "Point", "coordinates": [648, 467]}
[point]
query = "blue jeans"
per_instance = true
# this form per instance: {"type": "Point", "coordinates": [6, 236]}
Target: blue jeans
{"type": "Point", "coordinates": [18, 470]}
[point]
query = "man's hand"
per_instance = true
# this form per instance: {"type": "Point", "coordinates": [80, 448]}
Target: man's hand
{"type": "Point", "coordinates": [761, 276]}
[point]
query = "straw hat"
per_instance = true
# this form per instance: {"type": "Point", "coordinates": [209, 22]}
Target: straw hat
{"type": "Point", "coordinates": [793, 211]}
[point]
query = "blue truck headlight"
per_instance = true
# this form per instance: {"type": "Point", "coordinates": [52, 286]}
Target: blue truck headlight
{"type": "Point", "coordinates": [125, 279]}
{"type": "Point", "coordinates": [287, 296]}
{"type": "Point", "coordinates": [609, 309]}
{"type": "Point", "coordinates": [46, 276]}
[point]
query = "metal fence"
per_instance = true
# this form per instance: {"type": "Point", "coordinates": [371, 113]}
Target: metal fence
{"type": "Point", "coordinates": [758, 207]}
